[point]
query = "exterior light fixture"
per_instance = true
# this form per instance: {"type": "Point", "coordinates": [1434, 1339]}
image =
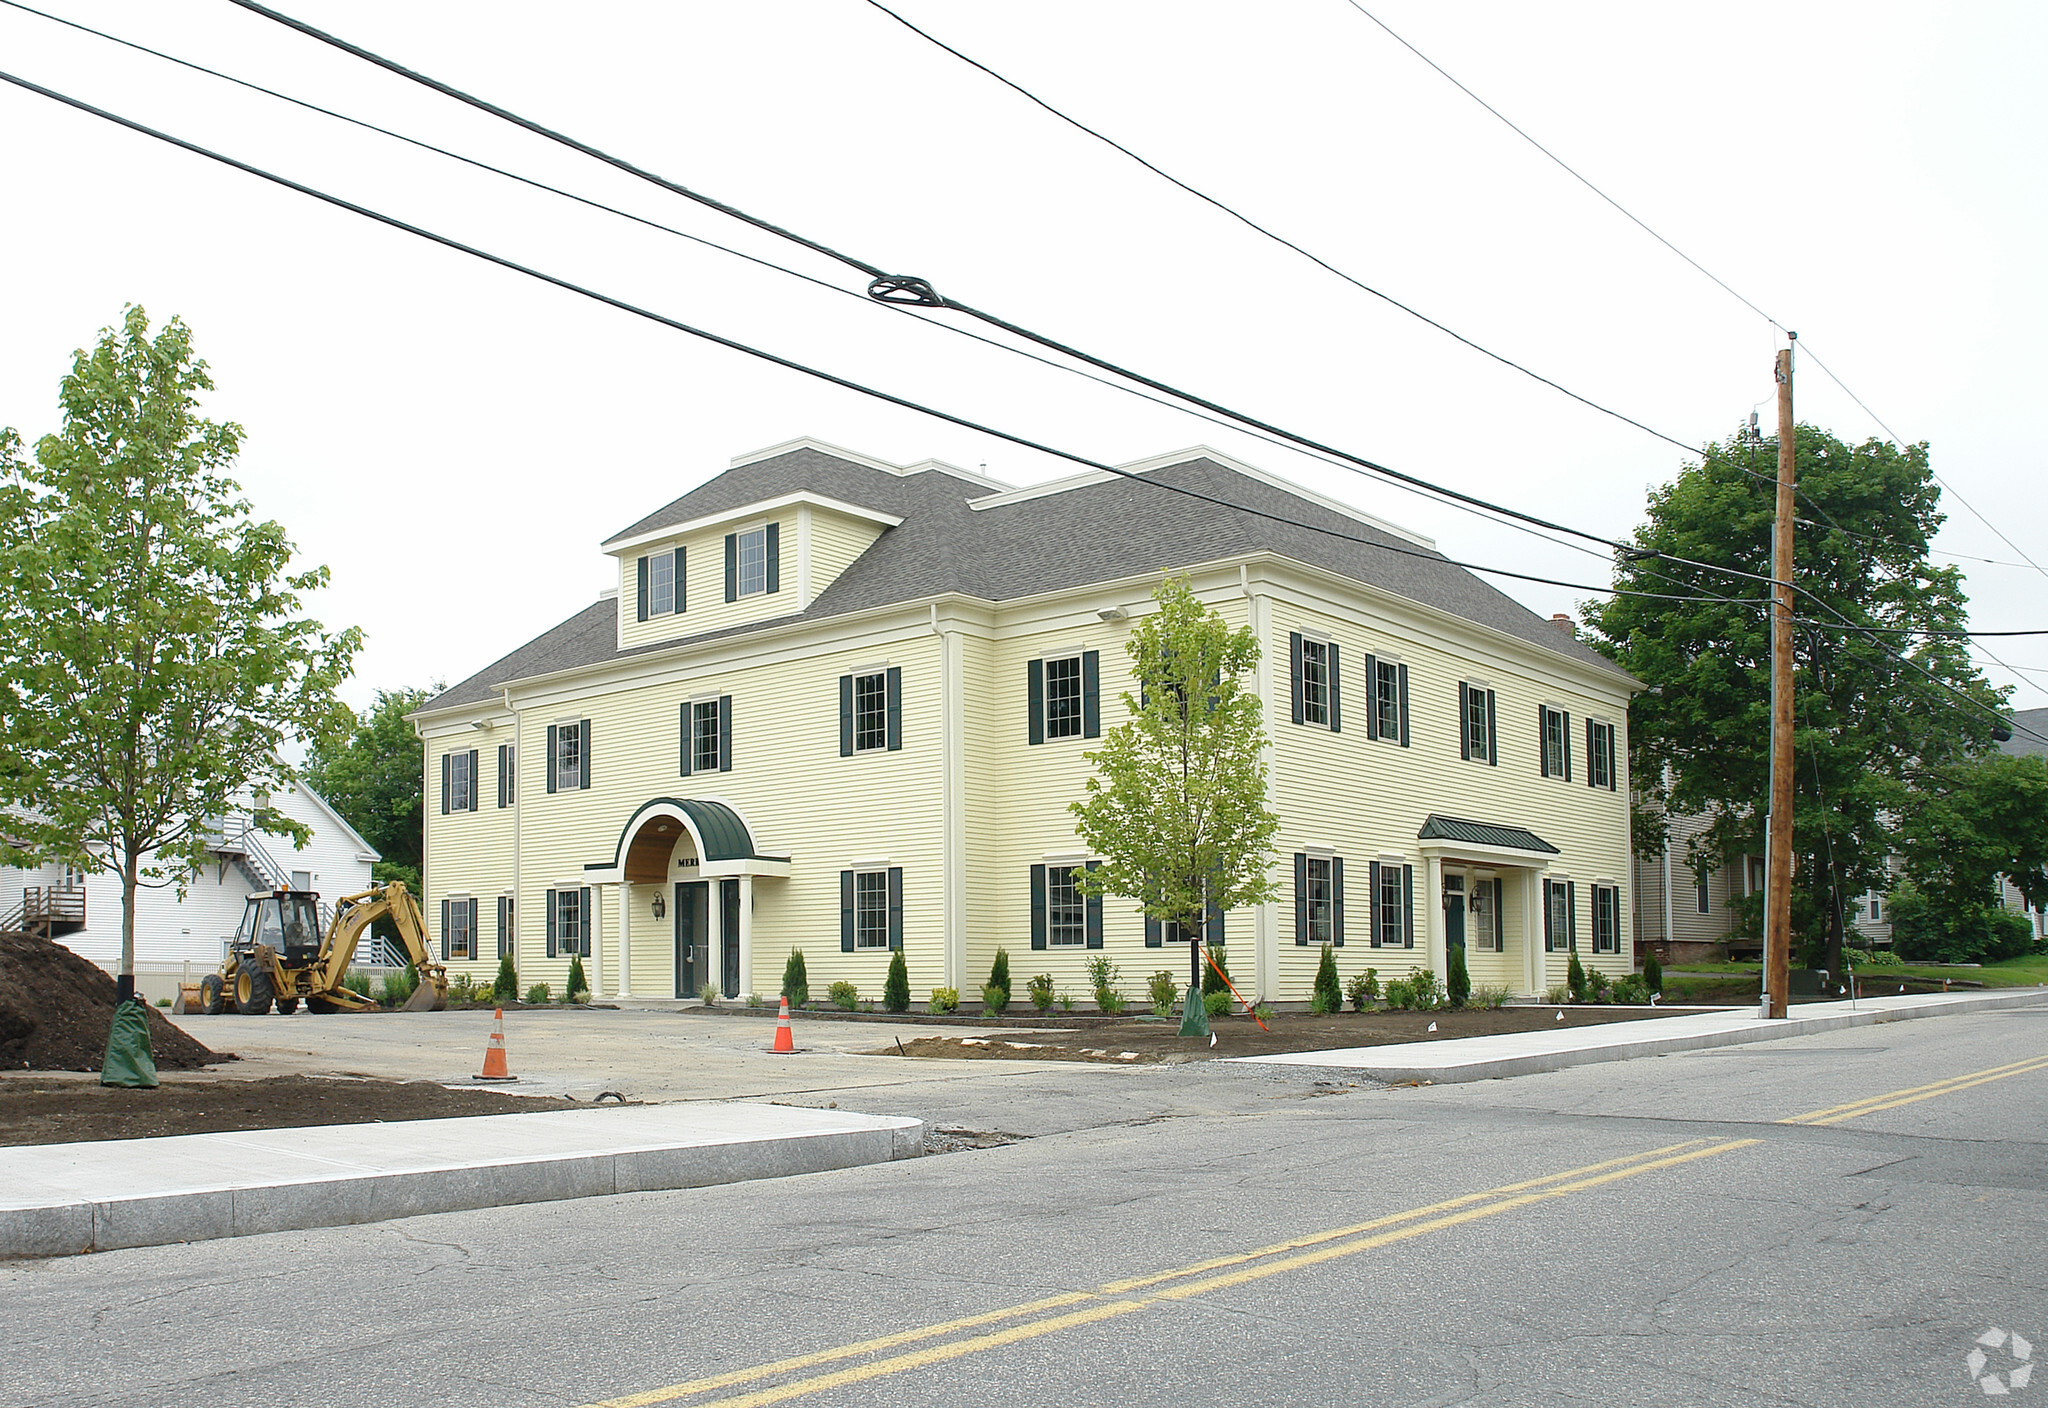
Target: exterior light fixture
{"type": "Point", "coordinates": [1112, 613]}
{"type": "Point", "coordinates": [659, 907]}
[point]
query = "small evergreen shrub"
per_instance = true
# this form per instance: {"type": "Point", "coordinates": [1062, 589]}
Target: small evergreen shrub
{"type": "Point", "coordinates": [994, 999]}
{"type": "Point", "coordinates": [538, 995]}
{"type": "Point", "coordinates": [796, 983]}
{"type": "Point", "coordinates": [999, 971]}
{"type": "Point", "coordinates": [1597, 985]}
{"type": "Point", "coordinates": [1212, 980]}
{"type": "Point", "coordinates": [506, 987]}
{"type": "Point", "coordinates": [1653, 973]}
{"type": "Point", "coordinates": [1457, 978]}
{"type": "Point", "coordinates": [1363, 989]}
{"type": "Point", "coordinates": [1327, 987]}
{"type": "Point", "coordinates": [1400, 995]}
{"type": "Point", "coordinates": [459, 988]}
{"type": "Point", "coordinates": [1631, 989]}
{"type": "Point", "coordinates": [845, 996]}
{"type": "Point", "coordinates": [896, 987]}
{"type": "Point", "coordinates": [577, 989]}
{"type": "Point", "coordinates": [1163, 991]}
{"type": "Point", "coordinates": [1575, 977]}
{"type": "Point", "coordinates": [1040, 989]}
{"type": "Point", "coordinates": [944, 1000]}
{"type": "Point", "coordinates": [398, 986]}
{"type": "Point", "coordinates": [1319, 1003]}
{"type": "Point", "coordinates": [1216, 1004]}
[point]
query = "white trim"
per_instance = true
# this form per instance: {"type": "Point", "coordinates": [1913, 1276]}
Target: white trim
{"type": "Point", "coordinates": [901, 471]}
{"type": "Point", "coordinates": [1067, 857]}
{"type": "Point", "coordinates": [762, 510]}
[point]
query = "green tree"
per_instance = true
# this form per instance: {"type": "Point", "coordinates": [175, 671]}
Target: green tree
{"type": "Point", "coordinates": [154, 656]}
{"type": "Point", "coordinates": [1865, 722]}
{"type": "Point", "coordinates": [372, 774]}
{"type": "Point", "coordinates": [896, 987]}
{"type": "Point", "coordinates": [1966, 826]}
{"type": "Point", "coordinates": [1177, 804]}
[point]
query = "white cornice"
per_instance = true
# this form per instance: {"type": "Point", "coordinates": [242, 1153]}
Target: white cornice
{"type": "Point", "coordinates": [619, 546]}
{"type": "Point", "coordinates": [901, 471]}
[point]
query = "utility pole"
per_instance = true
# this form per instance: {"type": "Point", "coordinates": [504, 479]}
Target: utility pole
{"type": "Point", "coordinates": [1778, 836]}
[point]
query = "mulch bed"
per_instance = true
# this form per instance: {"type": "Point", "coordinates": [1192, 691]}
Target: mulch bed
{"type": "Point", "coordinates": [1148, 1043]}
{"type": "Point", "coordinates": [61, 1111]}
{"type": "Point", "coordinates": [56, 1009]}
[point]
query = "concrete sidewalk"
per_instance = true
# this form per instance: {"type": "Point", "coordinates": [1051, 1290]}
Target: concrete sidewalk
{"type": "Point", "coordinates": [1524, 1053]}
{"type": "Point", "coordinates": [61, 1199]}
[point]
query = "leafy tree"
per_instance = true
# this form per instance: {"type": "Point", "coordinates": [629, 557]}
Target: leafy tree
{"type": "Point", "coordinates": [154, 656]}
{"type": "Point", "coordinates": [1865, 723]}
{"type": "Point", "coordinates": [372, 774]}
{"type": "Point", "coordinates": [1966, 826]}
{"type": "Point", "coordinates": [1177, 805]}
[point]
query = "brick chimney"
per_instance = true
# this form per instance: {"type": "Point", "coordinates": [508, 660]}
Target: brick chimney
{"type": "Point", "coordinates": [1564, 623]}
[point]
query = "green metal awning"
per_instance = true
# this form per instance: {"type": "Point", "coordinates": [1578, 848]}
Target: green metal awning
{"type": "Point", "coordinates": [1484, 833]}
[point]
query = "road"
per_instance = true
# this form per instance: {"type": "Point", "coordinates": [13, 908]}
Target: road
{"type": "Point", "coordinates": [1815, 1221]}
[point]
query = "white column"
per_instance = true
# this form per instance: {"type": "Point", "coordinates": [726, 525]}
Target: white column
{"type": "Point", "coordinates": [625, 940]}
{"type": "Point", "coordinates": [953, 771]}
{"type": "Point", "coordinates": [1266, 917]}
{"type": "Point", "coordinates": [746, 935]}
{"type": "Point", "coordinates": [1433, 915]}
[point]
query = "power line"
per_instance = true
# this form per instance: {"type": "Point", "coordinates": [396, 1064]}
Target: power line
{"type": "Point", "coordinates": [908, 290]}
{"type": "Point", "coordinates": [1931, 634]}
{"type": "Point", "coordinates": [899, 309]}
{"type": "Point", "coordinates": [789, 364]}
{"type": "Point", "coordinates": [1270, 234]}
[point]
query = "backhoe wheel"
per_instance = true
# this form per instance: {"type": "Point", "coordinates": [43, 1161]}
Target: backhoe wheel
{"type": "Point", "coordinates": [213, 995]}
{"type": "Point", "coordinates": [252, 991]}
{"type": "Point", "coordinates": [286, 1006]}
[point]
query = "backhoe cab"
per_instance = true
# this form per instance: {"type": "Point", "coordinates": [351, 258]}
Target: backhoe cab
{"type": "Point", "coordinates": [279, 956]}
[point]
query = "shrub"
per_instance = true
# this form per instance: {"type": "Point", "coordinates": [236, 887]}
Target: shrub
{"type": "Point", "coordinates": [708, 995]}
{"type": "Point", "coordinates": [994, 999]}
{"type": "Point", "coordinates": [1102, 973]}
{"type": "Point", "coordinates": [538, 995]}
{"type": "Point", "coordinates": [357, 982]}
{"type": "Point", "coordinates": [506, 987]}
{"type": "Point", "coordinates": [944, 1000]}
{"type": "Point", "coordinates": [1212, 980]}
{"type": "Point", "coordinates": [1110, 1001]}
{"type": "Point", "coordinates": [1457, 978]}
{"type": "Point", "coordinates": [1327, 987]}
{"type": "Point", "coordinates": [1040, 988]}
{"type": "Point", "coordinates": [1557, 994]}
{"type": "Point", "coordinates": [163, 1002]}
{"type": "Point", "coordinates": [1216, 1004]}
{"type": "Point", "coordinates": [1400, 995]}
{"type": "Point", "coordinates": [1264, 1012]}
{"type": "Point", "coordinates": [999, 971]}
{"type": "Point", "coordinates": [896, 987]}
{"type": "Point", "coordinates": [1881, 958]}
{"type": "Point", "coordinates": [1631, 989]}
{"type": "Point", "coordinates": [1492, 998]}
{"type": "Point", "coordinates": [1163, 991]}
{"type": "Point", "coordinates": [1429, 993]}
{"type": "Point", "coordinates": [459, 988]}
{"type": "Point", "coordinates": [1575, 977]}
{"type": "Point", "coordinates": [577, 989]}
{"type": "Point", "coordinates": [1653, 973]}
{"type": "Point", "coordinates": [1597, 984]}
{"type": "Point", "coordinates": [398, 986]}
{"type": "Point", "coordinates": [755, 999]}
{"type": "Point", "coordinates": [1318, 1003]}
{"type": "Point", "coordinates": [844, 995]}
{"type": "Point", "coordinates": [1363, 989]}
{"type": "Point", "coordinates": [1970, 933]}
{"type": "Point", "coordinates": [796, 982]}
{"type": "Point", "coordinates": [1066, 1001]}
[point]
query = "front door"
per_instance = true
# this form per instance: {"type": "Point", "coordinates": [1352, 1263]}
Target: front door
{"type": "Point", "coordinates": [693, 936]}
{"type": "Point", "coordinates": [729, 934]}
{"type": "Point", "coordinates": [1454, 910]}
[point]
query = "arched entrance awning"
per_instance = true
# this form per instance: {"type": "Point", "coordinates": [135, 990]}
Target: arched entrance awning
{"type": "Point", "coordinates": [723, 842]}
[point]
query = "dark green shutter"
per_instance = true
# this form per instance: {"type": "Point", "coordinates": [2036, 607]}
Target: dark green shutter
{"type": "Point", "coordinates": [1571, 915]}
{"type": "Point", "coordinates": [689, 759]}
{"type": "Point", "coordinates": [1091, 694]}
{"type": "Point", "coordinates": [1464, 722]}
{"type": "Point", "coordinates": [1401, 673]}
{"type": "Point", "coordinates": [585, 922]}
{"type": "Point", "coordinates": [846, 716]}
{"type": "Point", "coordinates": [1565, 732]}
{"type": "Point", "coordinates": [554, 923]}
{"type": "Point", "coordinates": [774, 557]}
{"type": "Point", "coordinates": [1034, 676]}
{"type": "Point", "coordinates": [1300, 872]}
{"type": "Point", "coordinates": [1336, 715]}
{"type": "Point", "coordinates": [894, 685]}
{"type": "Point", "coordinates": [1038, 906]}
{"type": "Point", "coordinates": [1500, 926]}
{"type": "Point", "coordinates": [583, 732]}
{"type": "Point", "coordinates": [1294, 676]}
{"type": "Point", "coordinates": [1592, 757]}
{"type": "Point", "coordinates": [475, 948]}
{"type": "Point", "coordinates": [444, 930]}
{"type": "Point", "coordinates": [1613, 771]}
{"type": "Point", "coordinates": [1093, 906]}
{"type": "Point", "coordinates": [1337, 901]}
{"type": "Point", "coordinates": [846, 911]}
{"type": "Point", "coordinates": [1372, 907]}
{"type": "Point", "coordinates": [1492, 738]}
{"type": "Point", "coordinates": [682, 597]}
{"type": "Point", "coordinates": [725, 733]}
{"type": "Point", "coordinates": [547, 766]}
{"type": "Point", "coordinates": [896, 906]}
{"type": "Point", "coordinates": [1214, 936]}
{"type": "Point", "coordinates": [475, 780]}
{"type": "Point", "coordinates": [1543, 740]}
{"type": "Point", "coordinates": [643, 588]}
{"type": "Point", "coordinates": [1408, 906]}
{"type": "Point", "coordinates": [445, 766]}
{"type": "Point", "coordinates": [1372, 696]}
{"type": "Point", "coordinates": [732, 567]}
{"type": "Point", "coordinates": [1549, 938]}
{"type": "Point", "coordinates": [1155, 936]}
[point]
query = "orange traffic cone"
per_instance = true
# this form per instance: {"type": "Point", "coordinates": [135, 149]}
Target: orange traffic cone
{"type": "Point", "coordinates": [494, 1054]}
{"type": "Point", "coordinates": [783, 1041]}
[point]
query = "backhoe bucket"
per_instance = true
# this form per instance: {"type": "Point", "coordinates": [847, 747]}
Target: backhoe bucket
{"type": "Point", "coordinates": [425, 998]}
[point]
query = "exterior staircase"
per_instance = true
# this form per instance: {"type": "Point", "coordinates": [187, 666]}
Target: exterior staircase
{"type": "Point", "coordinates": [46, 912]}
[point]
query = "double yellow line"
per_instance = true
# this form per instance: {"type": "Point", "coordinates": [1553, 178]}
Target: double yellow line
{"type": "Point", "coordinates": [1053, 1314]}
{"type": "Point", "coordinates": [1892, 1099]}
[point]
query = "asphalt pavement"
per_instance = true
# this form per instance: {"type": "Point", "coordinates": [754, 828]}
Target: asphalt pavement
{"type": "Point", "coordinates": [1842, 1217]}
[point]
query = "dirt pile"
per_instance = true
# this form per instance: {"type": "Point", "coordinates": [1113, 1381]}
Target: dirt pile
{"type": "Point", "coordinates": [55, 1008]}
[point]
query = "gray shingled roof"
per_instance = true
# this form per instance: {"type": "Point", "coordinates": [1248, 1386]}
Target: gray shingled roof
{"type": "Point", "coordinates": [1093, 533]}
{"type": "Point", "coordinates": [2027, 722]}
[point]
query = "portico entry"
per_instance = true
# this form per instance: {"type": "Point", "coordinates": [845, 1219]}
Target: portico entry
{"type": "Point", "coordinates": [692, 863]}
{"type": "Point", "coordinates": [1484, 877]}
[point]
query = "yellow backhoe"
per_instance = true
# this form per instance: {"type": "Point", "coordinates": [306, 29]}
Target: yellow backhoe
{"type": "Point", "coordinates": [279, 956]}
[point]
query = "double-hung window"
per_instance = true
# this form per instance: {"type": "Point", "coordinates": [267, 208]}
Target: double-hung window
{"type": "Point", "coordinates": [568, 762]}
{"type": "Point", "coordinates": [1066, 908]}
{"type": "Point", "coordinates": [1560, 915]}
{"type": "Point", "coordinates": [1607, 919]}
{"type": "Point", "coordinates": [871, 711]}
{"type": "Point", "coordinates": [707, 735]}
{"type": "Point", "coordinates": [508, 774]}
{"type": "Point", "coordinates": [1393, 917]}
{"type": "Point", "coordinates": [570, 919]}
{"type": "Point", "coordinates": [1600, 755]}
{"type": "Point", "coordinates": [753, 565]}
{"type": "Point", "coordinates": [1063, 697]}
{"type": "Point", "coordinates": [1557, 746]}
{"type": "Point", "coordinates": [753, 562]}
{"type": "Point", "coordinates": [458, 781]}
{"type": "Point", "coordinates": [870, 909]}
{"type": "Point", "coordinates": [661, 584]}
{"type": "Point", "coordinates": [458, 928]}
{"type": "Point", "coordinates": [1386, 700]}
{"type": "Point", "coordinates": [1315, 682]}
{"type": "Point", "coordinates": [508, 930]}
{"type": "Point", "coordinates": [1475, 723]}
{"type": "Point", "coordinates": [1318, 899]}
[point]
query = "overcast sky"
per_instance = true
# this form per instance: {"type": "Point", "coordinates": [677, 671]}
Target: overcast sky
{"type": "Point", "coordinates": [454, 440]}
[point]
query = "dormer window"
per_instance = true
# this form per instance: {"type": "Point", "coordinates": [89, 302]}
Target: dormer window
{"type": "Point", "coordinates": [753, 562]}
{"type": "Point", "coordinates": [661, 584]}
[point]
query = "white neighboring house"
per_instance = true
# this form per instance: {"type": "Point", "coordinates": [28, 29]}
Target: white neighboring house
{"type": "Point", "coordinates": [183, 938]}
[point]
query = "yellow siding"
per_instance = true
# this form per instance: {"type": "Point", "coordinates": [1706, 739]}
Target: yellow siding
{"type": "Point", "coordinates": [834, 541]}
{"type": "Point", "coordinates": [468, 853]}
